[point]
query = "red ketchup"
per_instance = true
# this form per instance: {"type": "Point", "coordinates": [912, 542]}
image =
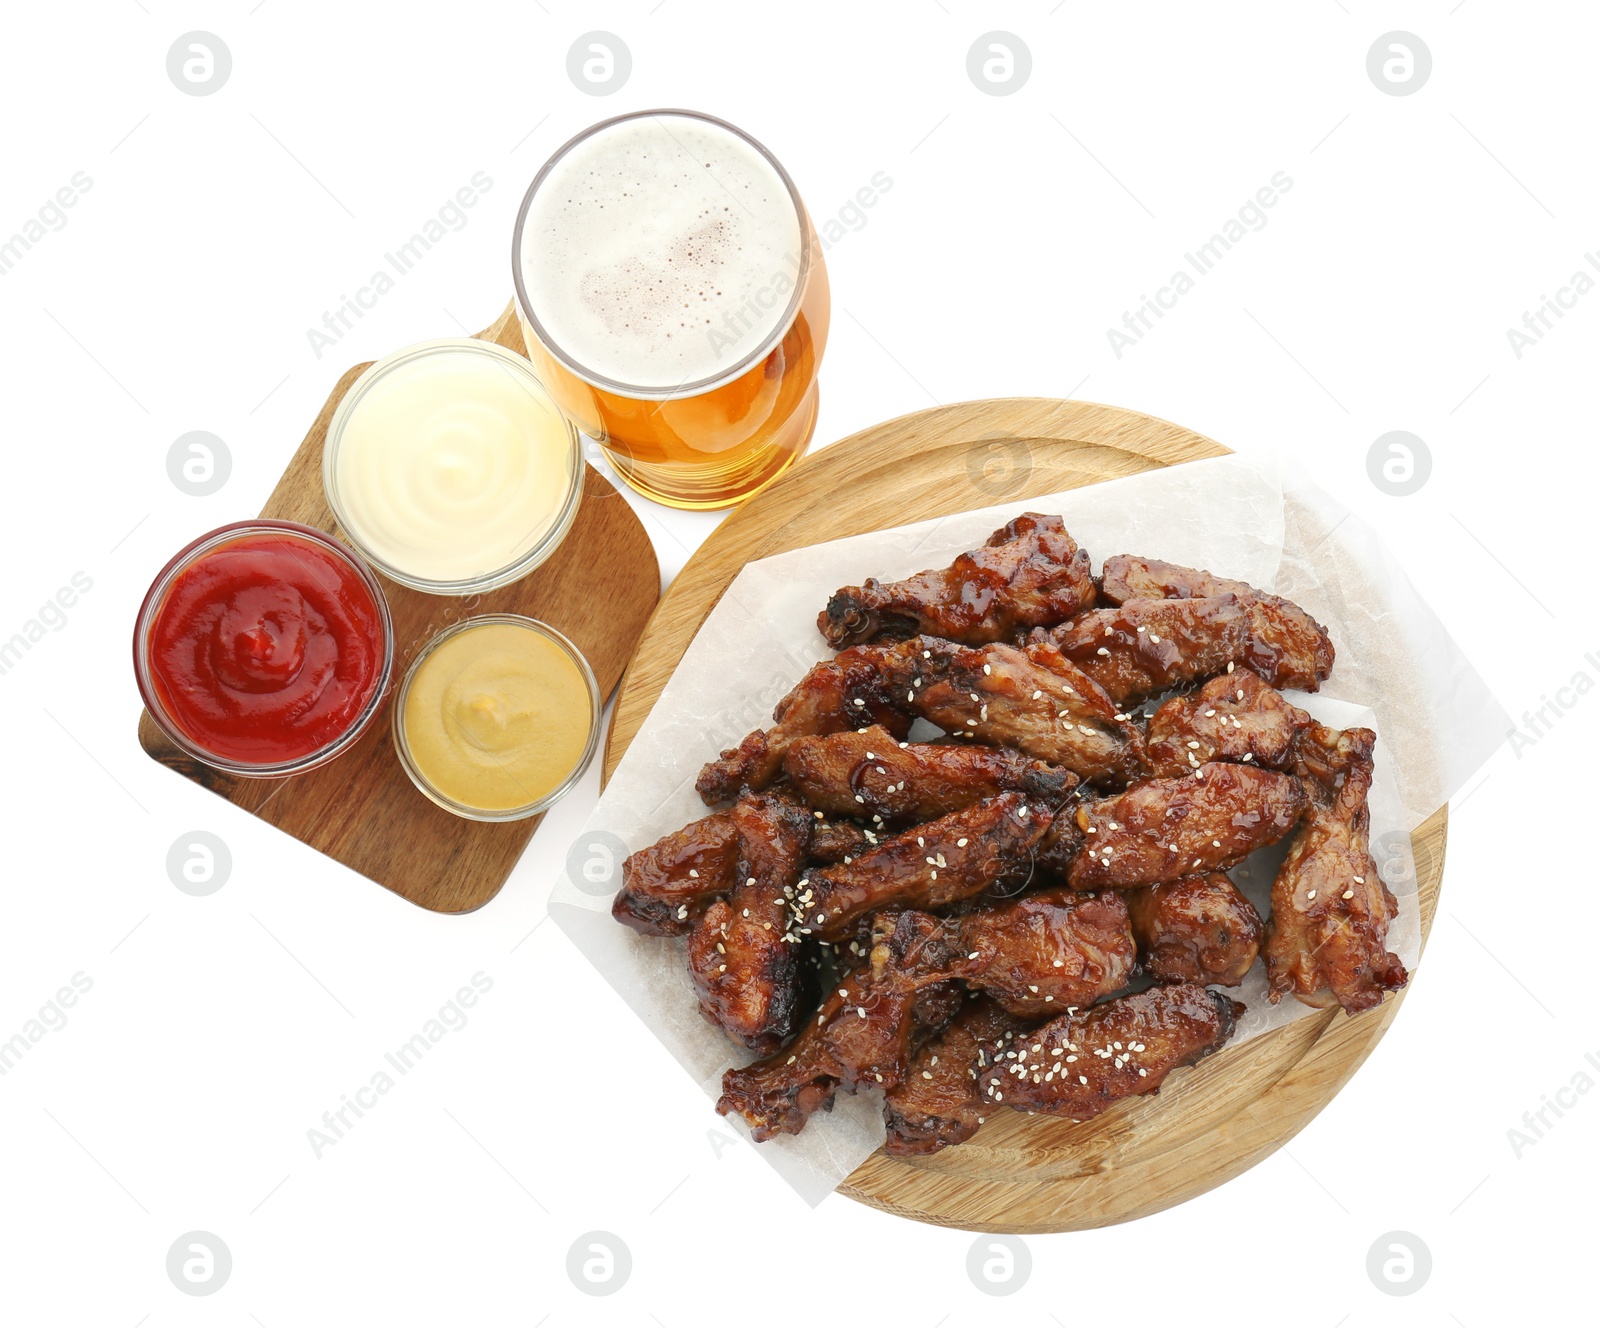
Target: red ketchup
{"type": "Point", "coordinates": [267, 647]}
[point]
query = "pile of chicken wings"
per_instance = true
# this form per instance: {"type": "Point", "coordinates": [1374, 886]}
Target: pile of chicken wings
{"type": "Point", "coordinates": [1033, 911]}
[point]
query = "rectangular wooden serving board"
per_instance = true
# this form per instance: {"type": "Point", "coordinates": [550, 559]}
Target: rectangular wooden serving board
{"type": "Point", "coordinates": [599, 589]}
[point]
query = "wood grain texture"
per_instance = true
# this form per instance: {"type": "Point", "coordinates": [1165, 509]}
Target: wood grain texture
{"type": "Point", "coordinates": [598, 589]}
{"type": "Point", "coordinates": [1029, 1173]}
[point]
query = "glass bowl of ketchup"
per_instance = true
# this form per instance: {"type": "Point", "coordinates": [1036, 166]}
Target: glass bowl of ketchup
{"type": "Point", "coordinates": [264, 648]}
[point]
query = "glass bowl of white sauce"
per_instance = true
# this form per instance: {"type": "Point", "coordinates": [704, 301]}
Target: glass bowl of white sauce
{"type": "Point", "coordinates": [451, 469]}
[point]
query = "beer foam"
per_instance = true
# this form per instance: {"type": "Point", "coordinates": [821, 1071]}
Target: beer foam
{"type": "Point", "coordinates": [660, 250]}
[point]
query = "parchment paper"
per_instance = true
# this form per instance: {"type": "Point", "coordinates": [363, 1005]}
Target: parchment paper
{"type": "Point", "coordinates": [1397, 672]}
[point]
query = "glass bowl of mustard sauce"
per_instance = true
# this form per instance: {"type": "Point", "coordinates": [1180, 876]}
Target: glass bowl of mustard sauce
{"type": "Point", "coordinates": [497, 718]}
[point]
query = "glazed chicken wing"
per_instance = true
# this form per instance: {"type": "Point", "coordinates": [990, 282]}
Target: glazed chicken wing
{"type": "Point", "coordinates": [1031, 573]}
{"type": "Point", "coordinates": [838, 1048]}
{"type": "Point", "coordinates": [938, 1103]}
{"type": "Point", "coordinates": [1234, 717]}
{"type": "Point", "coordinates": [1030, 697]}
{"type": "Point", "coordinates": [869, 773]}
{"type": "Point", "coordinates": [1166, 828]}
{"type": "Point", "coordinates": [1079, 1064]}
{"type": "Point", "coordinates": [1327, 937]}
{"type": "Point", "coordinates": [1149, 646]}
{"type": "Point", "coordinates": [1195, 929]}
{"type": "Point", "coordinates": [1280, 628]}
{"type": "Point", "coordinates": [1035, 954]}
{"type": "Point", "coordinates": [953, 858]}
{"type": "Point", "coordinates": [748, 971]}
{"type": "Point", "coordinates": [1039, 953]}
{"type": "Point", "coordinates": [666, 887]}
{"type": "Point", "coordinates": [845, 692]}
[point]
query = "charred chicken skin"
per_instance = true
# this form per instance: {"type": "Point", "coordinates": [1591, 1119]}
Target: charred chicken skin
{"type": "Point", "coordinates": [1030, 697]}
{"type": "Point", "coordinates": [1163, 829]}
{"type": "Point", "coordinates": [1030, 573]}
{"type": "Point", "coordinates": [846, 692]}
{"type": "Point", "coordinates": [1327, 937]}
{"type": "Point", "coordinates": [1083, 1062]}
{"type": "Point", "coordinates": [953, 858]}
{"type": "Point", "coordinates": [869, 773]}
{"type": "Point", "coordinates": [748, 971]}
{"type": "Point", "coordinates": [938, 1103]}
{"type": "Point", "coordinates": [1279, 626]}
{"type": "Point", "coordinates": [1195, 929]}
{"type": "Point", "coordinates": [1235, 717]}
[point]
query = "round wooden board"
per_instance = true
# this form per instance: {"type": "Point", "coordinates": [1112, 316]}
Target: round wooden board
{"type": "Point", "coordinates": [1029, 1173]}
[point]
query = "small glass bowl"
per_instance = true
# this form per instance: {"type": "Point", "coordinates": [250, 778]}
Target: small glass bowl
{"type": "Point", "coordinates": [522, 371]}
{"type": "Point", "coordinates": [156, 597]}
{"type": "Point", "coordinates": [402, 745]}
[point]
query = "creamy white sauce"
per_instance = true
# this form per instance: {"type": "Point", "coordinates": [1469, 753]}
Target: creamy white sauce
{"type": "Point", "coordinates": [452, 465]}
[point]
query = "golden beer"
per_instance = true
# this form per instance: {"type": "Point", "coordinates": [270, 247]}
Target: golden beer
{"type": "Point", "coordinates": [674, 302]}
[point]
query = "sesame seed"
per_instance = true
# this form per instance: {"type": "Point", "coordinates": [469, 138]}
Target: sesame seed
{"type": "Point", "coordinates": [860, 702]}
{"type": "Point", "coordinates": [961, 843]}
{"type": "Point", "coordinates": [973, 955]}
{"type": "Point", "coordinates": [987, 669]}
{"type": "Point", "coordinates": [1083, 1079]}
{"type": "Point", "coordinates": [694, 873]}
{"type": "Point", "coordinates": [1102, 651]}
{"type": "Point", "coordinates": [973, 695]}
{"type": "Point", "coordinates": [1359, 880]}
{"type": "Point", "coordinates": [1156, 639]}
{"type": "Point", "coordinates": [1348, 894]}
{"type": "Point", "coordinates": [1194, 746]}
{"type": "Point", "coordinates": [1037, 695]}
{"type": "Point", "coordinates": [1230, 666]}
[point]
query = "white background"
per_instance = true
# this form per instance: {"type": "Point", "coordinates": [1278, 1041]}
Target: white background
{"type": "Point", "coordinates": [1018, 229]}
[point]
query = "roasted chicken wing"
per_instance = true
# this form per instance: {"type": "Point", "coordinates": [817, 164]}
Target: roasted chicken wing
{"type": "Point", "coordinates": [1195, 929]}
{"type": "Point", "coordinates": [1031, 698]}
{"type": "Point", "coordinates": [1034, 955]}
{"type": "Point", "coordinates": [846, 692]}
{"type": "Point", "coordinates": [1031, 573]}
{"type": "Point", "coordinates": [868, 773]}
{"type": "Point", "coordinates": [748, 970]}
{"type": "Point", "coordinates": [1279, 626]}
{"type": "Point", "coordinates": [666, 887]}
{"type": "Point", "coordinates": [952, 858]}
{"type": "Point", "coordinates": [1078, 1065]}
{"type": "Point", "coordinates": [1166, 828]}
{"type": "Point", "coordinates": [938, 1103]}
{"type": "Point", "coordinates": [1327, 937]}
{"type": "Point", "coordinates": [1149, 646]}
{"type": "Point", "coordinates": [1041, 953]}
{"type": "Point", "coordinates": [1234, 717]}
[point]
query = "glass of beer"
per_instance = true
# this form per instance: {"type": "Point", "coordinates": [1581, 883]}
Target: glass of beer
{"type": "Point", "coordinates": [674, 302]}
